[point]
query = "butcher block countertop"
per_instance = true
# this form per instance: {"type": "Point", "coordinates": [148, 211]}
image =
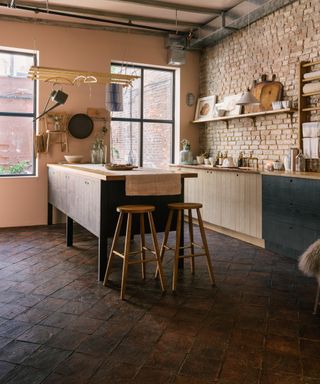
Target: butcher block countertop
{"type": "Point", "coordinates": [303, 175]}
{"type": "Point", "coordinates": [100, 172]}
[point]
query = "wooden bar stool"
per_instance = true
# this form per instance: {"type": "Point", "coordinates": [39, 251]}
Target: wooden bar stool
{"type": "Point", "coordinates": [131, 210]}
{"type": "Point", "coordinates": [179, 208]}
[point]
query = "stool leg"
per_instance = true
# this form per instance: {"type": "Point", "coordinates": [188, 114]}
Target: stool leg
{"type": "Point", "coordinates": [156, 250]}
{"type": "Point", "coordinates": [126, 257]}
{"type": "Point", "coordinates": [165, 238]}
{"type": "Point", "coordinates": [114, 243]}
{"type": "Point", "coordinates": [142, 246]}
{"type": "Point", "coordinates": [316, 303]}
{"type": "Point", "coordinates": [191, 240]}
{"type": "Point", "coordinates": [177, 252]}
{"type": "Point", "coordinates": [205, 245]}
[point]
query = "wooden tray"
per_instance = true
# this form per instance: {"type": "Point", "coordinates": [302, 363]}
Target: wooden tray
{"type": "Point", "coordinates": [120, 167]}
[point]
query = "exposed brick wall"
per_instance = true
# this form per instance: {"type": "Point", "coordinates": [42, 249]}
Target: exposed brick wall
{"type": "Point", "coordinates": [274, 44]}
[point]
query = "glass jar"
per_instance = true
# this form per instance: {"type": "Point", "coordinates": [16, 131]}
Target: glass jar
{"type": "Point", "coordinates": [300, 162]}
{"type": "Point", "coordinates": [97, 155]}
{"type": "Point", "coordinates": [186, 156]}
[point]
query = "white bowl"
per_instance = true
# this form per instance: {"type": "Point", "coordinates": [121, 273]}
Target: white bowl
{"type": "Point", "coordinates": [73, 158]}
{"type": "Point", "coordinates": [221, 112]}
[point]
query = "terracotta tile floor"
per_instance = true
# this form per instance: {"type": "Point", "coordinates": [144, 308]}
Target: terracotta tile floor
{"type": "Point", "coordinates": [59, 325]}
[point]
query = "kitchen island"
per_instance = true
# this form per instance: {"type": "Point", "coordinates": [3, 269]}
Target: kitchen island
{"type": "Point", "coordinates": [89, 195]}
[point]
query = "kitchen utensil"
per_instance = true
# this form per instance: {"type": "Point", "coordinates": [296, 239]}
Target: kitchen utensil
{"type": "Point", "coordinates": [80, 126]}
{"type": "Point", "coordinates": [293, 154]}
{"type": "Point", "coordinates": [266, 92]}
{"type": "Point", "coordinates": [73, 158]}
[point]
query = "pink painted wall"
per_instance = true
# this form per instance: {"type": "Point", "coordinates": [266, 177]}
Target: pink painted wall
{"type": "Point", "coordinates": [23, 201]}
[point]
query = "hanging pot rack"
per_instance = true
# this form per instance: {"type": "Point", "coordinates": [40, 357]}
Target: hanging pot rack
{"type": "Point", "coordinates": [76, 77]}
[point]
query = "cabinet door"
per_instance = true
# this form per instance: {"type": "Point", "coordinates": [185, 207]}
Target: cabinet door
{"type": "Point", "coordinates": [90, 213]}
{"type": "Point", "coordinates": [291, 213]}
{"type": "Point", "coordinates": [230, 200]}
{"type": "Point", "coordinates": [57, 189]}
{"type": "Point", "coordinates": [84, 201]}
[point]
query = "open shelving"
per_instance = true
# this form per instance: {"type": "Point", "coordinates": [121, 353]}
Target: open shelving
{"type": "Point", "coordinates": [304, 102]}
{"type": "Point", "coordinates": [252, 115]}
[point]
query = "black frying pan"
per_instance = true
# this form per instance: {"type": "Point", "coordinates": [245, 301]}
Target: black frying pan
{"type": "Point", "coordinates": [80, 126]}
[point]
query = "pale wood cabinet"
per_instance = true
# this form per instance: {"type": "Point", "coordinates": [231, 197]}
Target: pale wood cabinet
{"type": "Point", "coordinates": [232, 200]}
{"type": "Point", "coordinates": [77, 196]}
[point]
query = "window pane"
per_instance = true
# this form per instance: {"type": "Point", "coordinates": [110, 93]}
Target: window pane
{"type": "Point", "coordinates": [131, 95]}
{"type": "Point", "coordinates": [125, 142]}
{"type": "Point", "coordinates": [157, 144]}
{"type": "Point", "coordinates": [16, 145]}
{"type": "Point", "coordinates": [157, 98]}
{"type": "Point", "coordinates": [16, 90]}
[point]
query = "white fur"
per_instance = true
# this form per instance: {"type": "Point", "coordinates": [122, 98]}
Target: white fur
{"type": "Point", "coordinates": [309, 261]}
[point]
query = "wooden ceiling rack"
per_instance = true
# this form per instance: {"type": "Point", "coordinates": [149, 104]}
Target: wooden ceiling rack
{"type": "Point", "coordinates": [76, 77]}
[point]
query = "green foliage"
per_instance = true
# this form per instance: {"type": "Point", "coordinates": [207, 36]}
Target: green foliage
{"type": "Point", "coordinates": [15, 169]}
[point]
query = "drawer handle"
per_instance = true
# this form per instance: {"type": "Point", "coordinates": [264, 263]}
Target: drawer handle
{"type": "Point", "coordinates": [86, 182]}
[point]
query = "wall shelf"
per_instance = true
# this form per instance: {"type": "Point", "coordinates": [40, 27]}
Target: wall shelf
{"type": "Point", "coordinates": [248, 115]}
{"type": "Point", "coordinates": [305, 100]}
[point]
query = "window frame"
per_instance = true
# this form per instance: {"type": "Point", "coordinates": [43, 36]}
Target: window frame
{"type": "Point", "coordinates": [142, 120]}
{"type": "Point", "coordinates": [33, 114]}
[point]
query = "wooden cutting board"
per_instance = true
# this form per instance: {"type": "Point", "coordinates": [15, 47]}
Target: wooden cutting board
{"type": "Point", "coordinates": [266, 92]}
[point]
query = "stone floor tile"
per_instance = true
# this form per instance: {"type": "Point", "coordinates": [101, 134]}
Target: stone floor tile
{"type": "Point", "coordinates": [38, 334]}
{"type": "Point", "coordinates": [280, 378]}
{"type": "Point", "coordinates": [13, 328]}
{"type": "Point", "coordinates": [17, 351]}
{"type": "Point", "coordinates": [152, 375]}
{"type": "Point", "coordinates": [33, 315]}
{"type": "Point", "coordinates": [24, 375]}
{"type": "Point", "coordinates": [46, 358]}
{"type": "Point", "coordinates": [114, 372]}
{"type": "Point", "coordinates": [79, 366]}
{"type": "Point", "coordinates": [67, 339]}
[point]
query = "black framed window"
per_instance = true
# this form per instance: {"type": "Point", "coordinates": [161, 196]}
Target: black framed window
{"type": "Point", "coordinates": [17, 113]}
{"type": "Point", "coordinates": [143, 133]}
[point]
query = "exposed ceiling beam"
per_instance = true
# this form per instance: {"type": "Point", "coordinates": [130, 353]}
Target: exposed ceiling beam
{"type": "Point", "coordinates": [269, 6]}
{"type": "Point", "coordinates": [67, 24]}
{"type": "Point", "coordinates": [91, 18]}
{"type": "Point", "coordinates": [97, 12]}
{"type": "Point", "coordinates": [175, 6]}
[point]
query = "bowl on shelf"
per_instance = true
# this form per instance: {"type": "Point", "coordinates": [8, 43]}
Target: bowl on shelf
{"type": "Point", "coordinates": [73, 159]}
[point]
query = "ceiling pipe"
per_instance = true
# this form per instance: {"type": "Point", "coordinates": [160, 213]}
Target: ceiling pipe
{"type": "Point", "coordinates": [91, 18]}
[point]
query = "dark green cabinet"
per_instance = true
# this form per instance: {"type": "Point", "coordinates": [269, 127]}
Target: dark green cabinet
{"type": "Point", "coordinates": [290, 213]}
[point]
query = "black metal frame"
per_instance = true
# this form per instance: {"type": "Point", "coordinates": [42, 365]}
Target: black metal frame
{"type": "Point", "coordinates": [17, 114]}
{"type": "Point", "coordinates": [141, 120]}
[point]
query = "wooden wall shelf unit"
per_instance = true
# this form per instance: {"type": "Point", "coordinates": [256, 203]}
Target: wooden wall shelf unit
{"type": "Point", "coordinates": [247, 115]}
{"type": "Point", "coordinates": [305, 105]}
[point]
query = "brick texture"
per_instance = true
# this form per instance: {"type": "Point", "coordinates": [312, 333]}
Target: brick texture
{"type": "Point", "coordinates": [275, 44]}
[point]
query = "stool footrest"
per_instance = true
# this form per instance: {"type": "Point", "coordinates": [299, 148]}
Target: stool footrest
{"type": "Point", "coordinates": [141, 261]}
{"type": "Point", "coordinates": [192, 255]}
{"type": "Point", "coordinates": [184, 247]}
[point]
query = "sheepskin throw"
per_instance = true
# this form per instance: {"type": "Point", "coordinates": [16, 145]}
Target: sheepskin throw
{"type": "Point", "coordinates": [309, 261]}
